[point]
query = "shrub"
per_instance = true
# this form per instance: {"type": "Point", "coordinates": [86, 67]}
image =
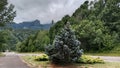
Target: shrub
{"type": "Point", "coordinates": [83, 59]}
{"type": "Point", "coordinates": [1, 54]}
{"type": "Point", "coordinates": [42, 57]}
{"type": "Point", "coordinates": [89, 60]}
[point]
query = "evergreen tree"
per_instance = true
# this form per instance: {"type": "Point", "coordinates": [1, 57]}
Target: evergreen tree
{"type": "Point", "coordinates": [65, 47]}
{"type": "Point", "coordinates": [57, 27]}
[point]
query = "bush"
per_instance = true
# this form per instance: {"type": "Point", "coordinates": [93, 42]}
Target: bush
{"type": "Point", "coordinates": [89, 60]}
{"type": "Point", "coordinates": [1, 55]}
{"type": "Point", "coordinates": [42, 57]}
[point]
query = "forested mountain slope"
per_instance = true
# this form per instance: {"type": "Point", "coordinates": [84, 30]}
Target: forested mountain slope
{"type": "Point", "coordinates": [96, 24]}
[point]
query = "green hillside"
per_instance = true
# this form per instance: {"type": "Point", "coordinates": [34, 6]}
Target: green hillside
{"type": "Point", "coordinates": [34, 43]}
{"type": "Point", "coordinates": [9, 38]}
{"type": "Point", "coordinates": [96, 24]}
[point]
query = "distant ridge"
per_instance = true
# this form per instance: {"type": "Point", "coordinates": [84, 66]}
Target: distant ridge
{"type": "Point", "coordinates": [33, 25]}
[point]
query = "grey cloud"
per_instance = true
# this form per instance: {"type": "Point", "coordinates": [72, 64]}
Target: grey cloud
{"type": "Point", "coordinates": [44, 10]}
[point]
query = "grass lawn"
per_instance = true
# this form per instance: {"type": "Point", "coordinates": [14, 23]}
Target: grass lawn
{"type": "Point", "coordinates": [30, 52]}
{"type": "Point", "coordinates": [93, 54]}
{"type": "Point", "coordinates": [46, 64]}
{"type": "Point", "coordinates": [31, 62]}
{"type": "Point", "coordinates": [1, 54]}
{"type": "Point", "coordinates": [105, 65]}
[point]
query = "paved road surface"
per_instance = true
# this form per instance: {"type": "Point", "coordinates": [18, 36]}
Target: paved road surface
{"type": "Point", "coordinates": [109, 58]}
{"type": "Point", "coordinates": [11, 60]}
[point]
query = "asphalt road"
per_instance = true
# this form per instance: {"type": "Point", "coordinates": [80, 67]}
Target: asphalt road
{"type": "Point", "coordinates": [11, 60]}
{"type": "Point", "coordinates": [109, 58]}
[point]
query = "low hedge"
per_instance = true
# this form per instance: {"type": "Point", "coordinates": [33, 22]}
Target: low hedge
{"type": "Point", "coordinates": [89, 60]}
{"type": "Point", "coordinates": [42, 57]}
{"type": "Point", "coordinates": [83, 59]}
{"type": "Point", "coordinates": [1, 55]}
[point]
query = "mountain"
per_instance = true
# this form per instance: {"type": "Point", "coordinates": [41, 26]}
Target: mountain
{"type": "Point", "coordinates": [33, 25]}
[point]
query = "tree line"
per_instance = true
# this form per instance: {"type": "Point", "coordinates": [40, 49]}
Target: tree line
{"type": "Point", "coordinates": [95, 23]}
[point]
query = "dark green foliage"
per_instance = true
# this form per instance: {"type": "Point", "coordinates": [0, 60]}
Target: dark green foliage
{"type": "Point", "coordinates": [65, 47]}
{"type": "Point", "coordinates": [3, 39]}
{"type": "Point", "coordinates": [14, 37]}
{"type": "Point", "coordinates": [82, 12]}
{"type": "Point", "coordinates": [96, 25]}
{"type": "Point", "coordinates": [93, 34]}
{"type": "Point", "coordinates": [34, 43]}
{"type": "Point", "coordinates": [11, 42]}
{"type": "Point", "coordinates": [57, 27]}
{"type": "Point", "coordinates": [23, 34]}
{"type": "Point", "coordinates": [7, 13]}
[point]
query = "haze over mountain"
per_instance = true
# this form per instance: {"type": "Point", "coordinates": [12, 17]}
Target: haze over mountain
{"type": "Point", "coordinates": [34, 25]}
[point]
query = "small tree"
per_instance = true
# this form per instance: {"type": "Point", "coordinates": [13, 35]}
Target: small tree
{"type": "Point", "coordinates": [7, 13]}
{"type": "Point", "coordinates": [65, 47]}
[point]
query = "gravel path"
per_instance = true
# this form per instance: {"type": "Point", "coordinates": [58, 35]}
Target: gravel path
{"type": "Point", "coordinates": [11, 60]}
{"type": "Point", "coordinates": [109, 58]}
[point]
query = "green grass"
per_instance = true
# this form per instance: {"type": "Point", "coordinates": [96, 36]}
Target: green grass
{"type": "Point", "coordinates": [30, 52]}
{"type": "Point", "coordinates": [111, 53]}
{"type": "Point", "coordinates": [45, 64]}
{"type": "Point", "coordinates": [105, 65]}
{"type": "Point", "coordinates": [31, 61]}
{"type": "Point", "coordinates": [1, 55]}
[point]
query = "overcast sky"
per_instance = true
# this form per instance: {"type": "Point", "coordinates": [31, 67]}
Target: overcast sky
{"type": "Point", "coordinates": [44, 10]}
